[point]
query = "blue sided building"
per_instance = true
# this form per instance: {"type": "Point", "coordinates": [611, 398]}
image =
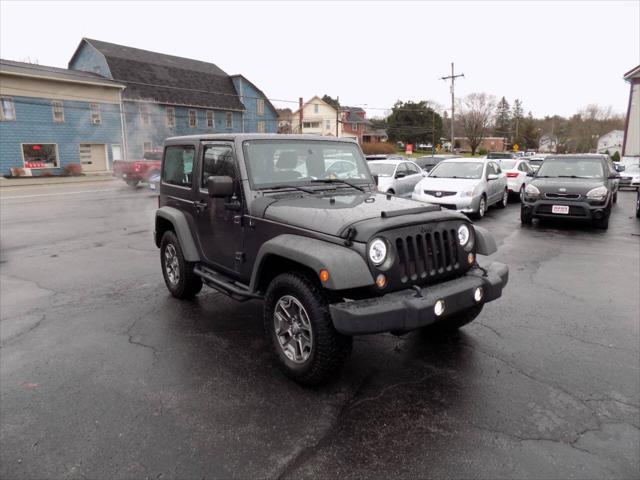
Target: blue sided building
{"type": "Point", "coordinates": [52, 117]}
{"type": "Point", "coordinates": [167, 96]}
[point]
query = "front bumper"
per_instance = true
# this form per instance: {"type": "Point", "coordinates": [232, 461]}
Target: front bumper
{"type": "Point", "coordinates": [406, 310]}
{"type": "Point", "coordinates": [577, 210]}
{"type": "Point", "coordinates": [452, 202]}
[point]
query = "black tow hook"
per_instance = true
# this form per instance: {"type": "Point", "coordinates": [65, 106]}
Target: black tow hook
{"type": "Point", "coordinates": [418, 291]}
{"type": "Point", "coordinates": [484, 272]}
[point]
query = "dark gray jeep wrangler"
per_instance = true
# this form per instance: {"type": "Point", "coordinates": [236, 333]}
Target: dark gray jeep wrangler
{"type": "Point", "coordinates": [297, 221]}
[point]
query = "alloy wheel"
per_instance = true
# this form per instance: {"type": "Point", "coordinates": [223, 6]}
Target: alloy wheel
{"type": "Point", "coordinates": [171, 265]}
{"type": "Point", "coordinates": [482, 207]}
{"type": "Point", "coordinates": [293, 329]}
{"type": "Point", "coordinates": [522, 194]}
{"type": "Point", "coordinates": [505, 198]}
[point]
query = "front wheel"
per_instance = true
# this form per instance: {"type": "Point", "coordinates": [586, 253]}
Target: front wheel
{"type": "Point", "coordinates": [454, 322]}
{"type": "Point", "coordinates": [526, 218]}
{"type": "Point", "coordinates": [505, 199]}
{"type": "Point", "coordinates": [602, 223]}
{"type": "Point", "coordinates": [482, 208]}
{"type": "Point", "coordinates": [132, 183]}
{"type": "Point", "coordinates": [299, 328]}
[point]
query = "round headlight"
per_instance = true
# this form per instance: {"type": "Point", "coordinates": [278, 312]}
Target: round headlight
{"type": "Point", "coordinates": [463, 235]}
{"type": "Point", "coordinates": [378, 251]}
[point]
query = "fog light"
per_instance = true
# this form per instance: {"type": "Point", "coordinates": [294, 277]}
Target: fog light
{"type": "Point", "coordinates": [381, 281]}
{"type": "Point", "coordinates": [471, 258]}
{"type": "Point", "coordinates": [324, 275]}
{"type": "Point", "coordinates": [478, 293]}
{"type": "Point", "coordinates": [439, 308]}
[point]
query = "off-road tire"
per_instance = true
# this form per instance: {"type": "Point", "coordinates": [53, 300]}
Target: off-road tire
{"type": "Point", "coordinates": [329, 349]}
{"type": "Point", "coordinates": [189, 284]}
{"type": "Point", "coordinates": [451, 324]}
{"type": "Point", "coordinates": [132, 183]}
{"type": "Point", "coordinates": [526, 218]}
{"type": "Point", "coordinates": [390, 192]}
{"type": "Point", "coordinates": [603, 223]}
{"type": "Point", "coordinates": [504, 200]}
{"type": "Point", "coordinates": [615, 197]}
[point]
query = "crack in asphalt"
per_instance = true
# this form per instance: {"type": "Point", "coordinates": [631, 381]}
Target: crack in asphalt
{"type": "Point", "coordinates": [489, 328]}
{"type": "Point", "coordinates": [28, 330]}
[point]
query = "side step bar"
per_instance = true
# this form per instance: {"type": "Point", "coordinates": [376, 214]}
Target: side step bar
{"type": "Point", "coordinates": [225, 284]}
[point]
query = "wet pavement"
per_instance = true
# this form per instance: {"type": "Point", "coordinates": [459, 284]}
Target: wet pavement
{"type": "Point", "coordinates": [104, 375]}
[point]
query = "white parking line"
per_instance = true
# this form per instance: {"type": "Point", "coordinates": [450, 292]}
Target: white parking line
{"type": "Point", "coordinates": [13, 197]}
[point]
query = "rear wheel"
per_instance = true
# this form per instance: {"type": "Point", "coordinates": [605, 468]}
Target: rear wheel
{"type": "Point", "coordinates": [522, 194]}
{"type": "Point", "coordinates": [505, 199]}
{"type": "Point", "coordinates": [526, 217]}
{"type": "Point", "coordinates": [178, 273]}
{"type": "Point", "coordinates": [132, 183]}
{"type": "Point", "coordinates": [299, 328]}
{"type": "Point", "coordinates": [391, 192]}
{"type": "Point", "coordinates": [638, 204]}
{"type": "Point", "coordinates": [453, 323]}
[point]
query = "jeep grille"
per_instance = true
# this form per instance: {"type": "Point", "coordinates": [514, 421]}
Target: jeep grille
{"type": "Point", "coordinates": [427, 255]}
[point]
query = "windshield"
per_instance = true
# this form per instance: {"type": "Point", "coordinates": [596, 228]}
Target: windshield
{"type": "Point", "coordinates": [382, 169]}
{"type": "Point", "coordinates": [632, 169]}
{"type": "Point", "coordinates": [458, 170]}
{"type": "Point", "coordinates": [271, 163]}
{"type": "Point", "coordinates": [507, 164]}
{"type": "Point", "coordinates": [572, 167]}
{"type": "Point", "coordinates": [536, 161]}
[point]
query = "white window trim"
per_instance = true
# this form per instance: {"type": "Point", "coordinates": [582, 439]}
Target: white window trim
{"type": "Point", "coordinates": [53, 110]}
{"type": "Point", "coordinates": [95, 110]}
{"type": "Point", "coordinates": [2, 114]}
{"type": "Point", "coordinates": [261, 126]}
{"type": "Point", "coordinates": [112, 155]}
{"type": "Point", "coordinates": [195, 117]}
{"type": "Point", "coordinates": [260, 106]}
{"type": "Point", "coordinates": [58, 160]}
{"type": "Point", "coordinates": [145, 114]}
{"type": "Point", "coordinates": [170, 119]}
{"type": "Point", "coordinates": [229, 122]}
{"type": "Point", "coordinates": [316, 108]}
{"type": "Point", "coordinates": [213, 119]}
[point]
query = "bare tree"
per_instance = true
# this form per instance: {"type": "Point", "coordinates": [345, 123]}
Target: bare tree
{"type": "Point", "coordinates": [475, 112]}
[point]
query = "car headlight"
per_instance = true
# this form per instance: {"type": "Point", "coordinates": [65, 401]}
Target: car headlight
{"type": "Point", "coordinates": [378, 251]}
{"type": "Point", "coordinates": [598, 193]}
{"type": "Point", "coordinates": [463, 235]}
{"type": "Point", "coordinates": [417, 188]}
{"type": "Point", "coordinates": [532, 191]}
{"type": "Point", "coordinates": [467, 194]}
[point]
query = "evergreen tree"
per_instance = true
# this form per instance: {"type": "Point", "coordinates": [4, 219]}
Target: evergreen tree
{"type": "Point", "coordinates": [516, 119]}
{"type": "Point", "coordinates": [502, 126]}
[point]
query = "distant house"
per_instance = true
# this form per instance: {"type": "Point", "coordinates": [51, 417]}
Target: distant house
{"type": "Point", "coordinates": [631, 142]}
{"type": "Point", "coordinates": [354, 122]}
{"type": "Point", "coordinates": [490, 144]}
{"type": "Point", "coordinates": [611, 142]}
{"type": "Point", "coordinates": [52, 117]}
{"type": "Point", "coordinates": [374, 135]}
{"type": "Point", "coordinates": [318, 118]}
{"type": "Point", "coordinates": [285, 120]}
{"type": "Point", "coordinates": [548, 144]}
{"type": "Point", "coordinates": [168, 95]}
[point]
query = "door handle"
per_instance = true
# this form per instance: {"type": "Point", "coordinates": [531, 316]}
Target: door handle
{"type": "Point", "coordinates": [201, 206]}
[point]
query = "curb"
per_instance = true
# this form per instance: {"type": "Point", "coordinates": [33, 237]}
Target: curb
{"type": "Point", "coordinates": [5, 182]}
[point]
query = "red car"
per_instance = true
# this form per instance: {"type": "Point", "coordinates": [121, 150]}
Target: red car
{"type": "Point", "coordinates": [136, 171]}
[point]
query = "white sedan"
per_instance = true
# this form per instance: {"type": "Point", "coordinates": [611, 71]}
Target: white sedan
{"type": "Point", "coordinates": [516, 171]}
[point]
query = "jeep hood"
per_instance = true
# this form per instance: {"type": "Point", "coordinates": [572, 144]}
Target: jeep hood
{"type": "Point", "coordinates": [366, 212]}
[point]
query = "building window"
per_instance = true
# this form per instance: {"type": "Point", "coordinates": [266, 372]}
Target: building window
{"type": "Point", "coordinates": [145, 116]}
{"type": "Point", "coordinates": [147, 146]}
{"type": "Point", "coordinates": [327, 124]}
{"type": "Point", "coordinates": [193, 118]}
{"type": "Point", "coordinates": [210, 119]}
{"type": "Point", "coordinates": [229, 120]}
{"type": "Point", "coordinates": [354, 127]}
{"type": "Point", "coordinates": [58, 111]}
{"type": "Point", "coordinates": [311, 124]}
{"type": "Point", "coordinates": [316, 108]}
{"type": "Point", "coordinates": [260, 106]}
{"type": "Point", "coordinates": [40, 155]}
{"type": "Point", "coordinates": [7, 109]}
{"type": "Point", "coordinates": [96, 119]}
{"type": "Point", "coordinates": [116, 151]}
{"type": "Point", "coordinates": [261, 128]}
{"type": "Point", "coordinates": [171, 117]}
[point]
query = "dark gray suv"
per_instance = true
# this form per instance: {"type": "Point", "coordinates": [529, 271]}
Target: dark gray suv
{"type": "Point", "coordinates": [581, 187]}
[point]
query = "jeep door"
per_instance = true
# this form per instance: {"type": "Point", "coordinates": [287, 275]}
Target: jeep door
{"type": "Point", "coordinates": [219, 220]}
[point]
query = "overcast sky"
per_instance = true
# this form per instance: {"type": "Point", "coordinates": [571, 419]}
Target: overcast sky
{"type": "Point", "coordinates": [556, 57]}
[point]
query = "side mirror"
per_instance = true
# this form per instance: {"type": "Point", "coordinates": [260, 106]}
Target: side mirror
{"type": "Point", "coordinates": [492, 176]}
{"type": "Point", "coordinates": [219, 187]}
{"type": "Point", "coordinates": [530, 174]}
{"type": "Point", "coordinates": [401, 175]}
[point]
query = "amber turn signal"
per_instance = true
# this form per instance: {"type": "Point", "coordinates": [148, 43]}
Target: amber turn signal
{"type": "Point", "coordinates": [471, 258]}
{"type": "Point", "coordinates": [324, 275]}
{"type": "Point", "coordinates": [381, 281]}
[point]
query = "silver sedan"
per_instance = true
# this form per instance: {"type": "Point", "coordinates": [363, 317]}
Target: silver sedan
{"type": "Point", "coordinates": [397, 177]}
{"type": "Point", "coordinates": [466, 185]}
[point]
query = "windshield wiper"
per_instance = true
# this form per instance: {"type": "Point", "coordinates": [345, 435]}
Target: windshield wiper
{"type": "Point", "coordinates": [571, 176]}
{"type": "Point", "coordinates": [546, 176]}
{"type": "Point", "coordinates": [337, 180]}
{"type": "Point", "coordinates": [295, 187]}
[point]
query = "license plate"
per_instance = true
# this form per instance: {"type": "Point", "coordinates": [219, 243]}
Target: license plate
{"type": "Point", "coordinates": [563, 209]}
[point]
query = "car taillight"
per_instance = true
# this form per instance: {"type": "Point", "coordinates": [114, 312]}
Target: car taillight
{"type": "Point", "coordinates": [136, 167]}
{"type": "Point", "coordinates": [512, 174]}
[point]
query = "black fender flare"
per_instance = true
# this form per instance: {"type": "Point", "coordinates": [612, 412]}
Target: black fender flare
{"type": "Point", "coordinates": [182, 230]}
{"type": "Point", "coordinates": [485, 243]}
{"type": "Point", "coordinates": [347, 269]}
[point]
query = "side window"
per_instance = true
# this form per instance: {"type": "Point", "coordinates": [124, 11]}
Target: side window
{"type": "Point", "coordinates": [177, 168]}
{"type": "Point", "coordinates": [412, 169]}
{"type": "Point", "coordinates": [402, 169]}
{"type": "Point", "coordinates": [496, 169]}
{"type": "Point", "coordinates": [218, 161]}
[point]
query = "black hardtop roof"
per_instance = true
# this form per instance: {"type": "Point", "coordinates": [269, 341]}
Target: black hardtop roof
{"type": "Point", "coordinates": [577, 156]}
{"type": "Point", "coordinates": [253, 136]}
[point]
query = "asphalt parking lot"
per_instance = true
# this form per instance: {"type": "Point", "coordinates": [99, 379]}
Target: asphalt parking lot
{"type": "Point", "coordinates": [104, 375]}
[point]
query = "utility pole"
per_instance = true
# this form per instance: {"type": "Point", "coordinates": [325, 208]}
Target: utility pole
{"type": "Point", "coordinates": [433, 132]}
{"type": "Point", "coordinates": [300, 116]}
{"type": "Point", "coordinates": [452, 77]}
{"type": "Point", "coordinates": [337, 117]}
